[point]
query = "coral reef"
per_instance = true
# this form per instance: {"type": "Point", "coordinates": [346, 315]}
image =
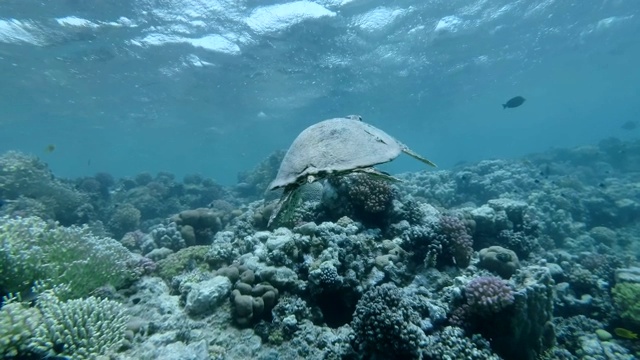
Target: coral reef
{"type": "Point", "coordinates": [33, 250]}
{"type": "Point", "coordinates": [488, 295]}
{"type": "Point", "coordinates": [385, 324]}
{"type": "Point", "coordinates": [198, 226]}
{"type": "Point", "coordinates": [78, 329]}
{"type": "Point", "coordinates": [25, 178]}
{"type": "Point", "coordinates": [533, 259]}
{"type": "Point", "coordinates": [253, 184]}
{"type": "Point", "coordinates": [360, 197]}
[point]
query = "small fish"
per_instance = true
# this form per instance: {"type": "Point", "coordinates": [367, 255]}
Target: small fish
{"type": "Point", "coordinates": [624, 333]}
{"type": "Point", "coordinates": [514, 102]}
{"type": "Point", "coordinates": [50, 148]}
{"type": "Point", "coordinates": [630, 125]}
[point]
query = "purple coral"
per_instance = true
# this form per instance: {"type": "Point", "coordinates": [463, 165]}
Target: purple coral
{"type": "Point", "coordinates": [456, 239]}
{"type": "Point", "coordinates": [145, 266]}
{"type": "Point", "coordinates": [488, 294]}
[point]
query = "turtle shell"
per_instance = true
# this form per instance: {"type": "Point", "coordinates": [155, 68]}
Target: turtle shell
{"type": "Point", "coordinates": [335, 145]}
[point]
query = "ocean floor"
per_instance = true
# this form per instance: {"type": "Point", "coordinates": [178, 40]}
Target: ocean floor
{"type": "Point", "coordinates": [534, 258]}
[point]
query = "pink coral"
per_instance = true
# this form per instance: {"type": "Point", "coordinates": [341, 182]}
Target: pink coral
{"type": "Point", "coordinates": [488, 294]}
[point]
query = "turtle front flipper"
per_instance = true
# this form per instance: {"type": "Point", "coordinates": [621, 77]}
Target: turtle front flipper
{"type": "Point", "coordinates": [286, 206]}
{"type": "Point", "coordinates": [417, 156]}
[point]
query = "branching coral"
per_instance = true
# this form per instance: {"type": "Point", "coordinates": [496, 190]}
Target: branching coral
{"type": "Point", "coordinates": [488, 294]}
{"type": "Point", "coordinates": [485, 296]}
{"type": "Point", "coordinates": [18, 323]}
{"type": "Point", "coordinates": [84, 327]}
{"type": "Point", "coordinates": [78, 329]}
{"type": "Point", "coordinates": [23, 176]}
{"type": "Point", "coordinates": [368, 194]}
{"type": "Point", "coordinates": [455, 239]}
{"type": "Point", "coordinates": [438, 240]}
{"type": "Point", "coordinates": [385, 324]}
{"type": "Point", "coordinates": [33, 250]}
{"type": "Point", "coordinates": [361, 197]}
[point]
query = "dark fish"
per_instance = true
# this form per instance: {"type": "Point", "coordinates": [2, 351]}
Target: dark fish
{"type": "Point", "coordinates": [514, 102]}
{"type": "Point", "coordinates": [630, 125]}
{"type": "Point", "coordinates": [50, 148]}
{"type": "Point", "coordinates": [545, 171]}
{"type": "Point", "coordinates": [4, 202]}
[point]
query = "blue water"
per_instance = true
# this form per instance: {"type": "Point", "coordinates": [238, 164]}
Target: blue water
{"type": "Point", "coordinates": [214, 87]}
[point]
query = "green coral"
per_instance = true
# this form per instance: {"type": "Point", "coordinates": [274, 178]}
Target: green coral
{"type": "Point", "coordinates": [18, 324]}
{"type": "Point", "coordinates": [33, 250]}
{"type": "Point", "coordinates": [27, 177]}
{"type": "Point", "coordinates": [78, 329]}
{"type": "Point", "coordinates": [625, 296]}
{"type": "Point", "coordinates": [187, 259]}
{"type": "Point", "coordinates": [125, 218]}
{"type": "Point", "coordinates": [86, 327]}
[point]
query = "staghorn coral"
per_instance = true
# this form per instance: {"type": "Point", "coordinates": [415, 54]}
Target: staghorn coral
{"type": "Point", "coordinates": [18, 324]}
{"type": "Point", "coordinates": [33, 250]}
{"type": "Point", "coordinates": [84, 328]}
{"type": "Point", "coordinates": [77, 329]}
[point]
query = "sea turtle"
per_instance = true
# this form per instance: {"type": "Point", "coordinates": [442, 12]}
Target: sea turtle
{"type": "Point", "coordinates": [334, 147]}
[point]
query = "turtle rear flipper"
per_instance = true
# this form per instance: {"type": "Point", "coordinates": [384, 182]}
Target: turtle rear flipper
{"type": "Point", "coordinates": [286, 206]}
{"type": "Point", "coordinates": [375, 173]}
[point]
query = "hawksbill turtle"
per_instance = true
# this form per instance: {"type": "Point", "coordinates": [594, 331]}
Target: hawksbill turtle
{"type": "Point", "coordinates": [336, 146]}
